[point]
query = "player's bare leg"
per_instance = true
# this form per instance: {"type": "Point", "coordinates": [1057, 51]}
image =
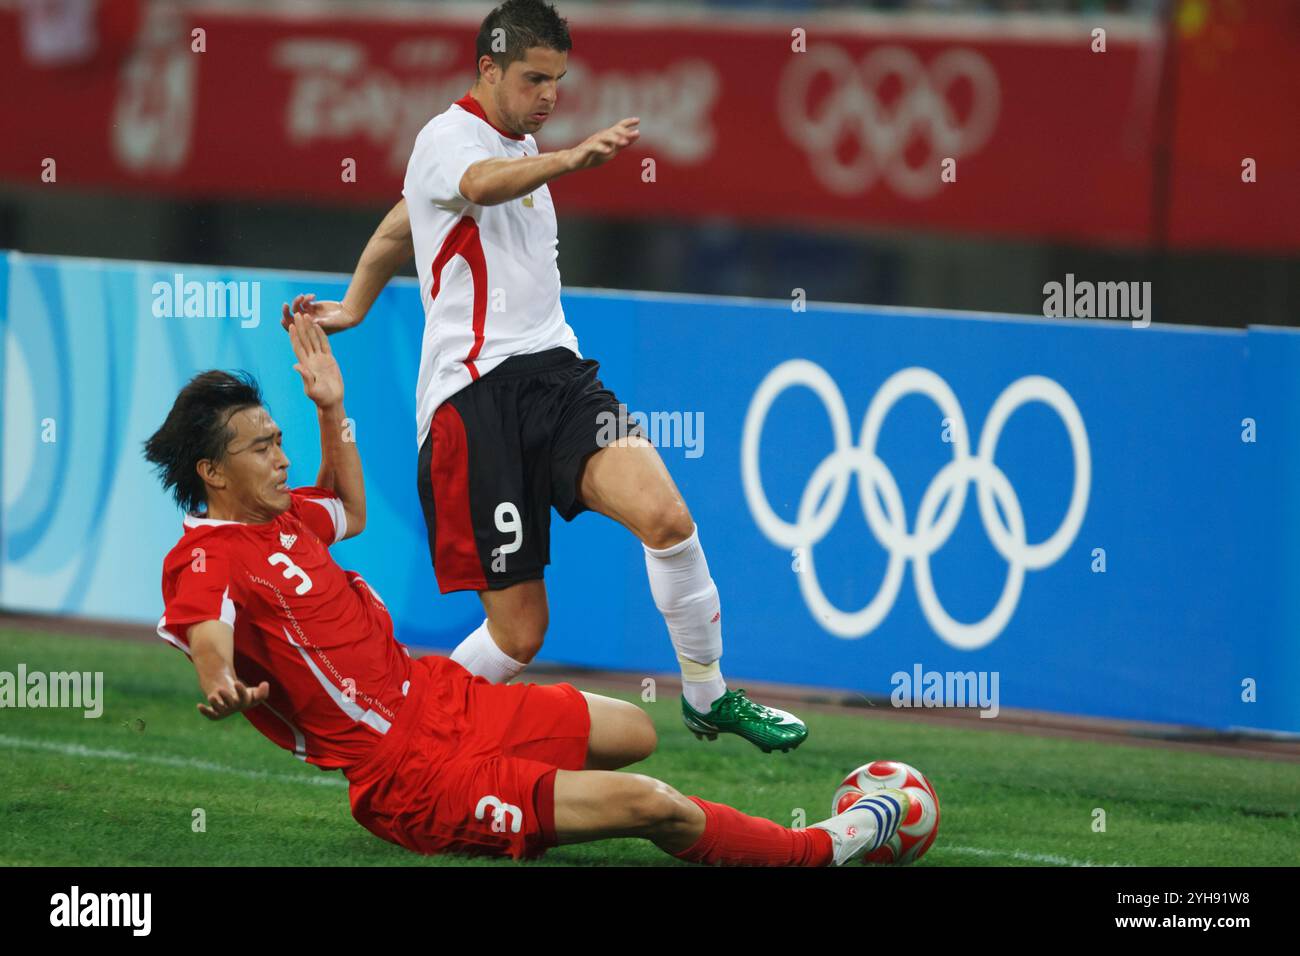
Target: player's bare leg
{"type": "Point", "coordinates": [511, 635]}
{"type": "Point", "coordinates": [621, 733]}
{"type": "Point", "coordinates": [598, 805]}
{"type": "Point", "coordinates": [627, 481]}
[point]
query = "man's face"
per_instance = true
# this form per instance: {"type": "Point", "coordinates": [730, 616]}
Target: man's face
{"type": "Point", "coordinates": [255, 470]}
{"type": "Point", "coordinates": [525, 95]}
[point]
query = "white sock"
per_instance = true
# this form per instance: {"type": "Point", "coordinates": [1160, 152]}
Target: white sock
{"type": "Point", "coordinates": [480, 655]}
{"type": "Point", "coordinates": [702, 694]}
{"type": "Point", "coordinates": [688, 599]}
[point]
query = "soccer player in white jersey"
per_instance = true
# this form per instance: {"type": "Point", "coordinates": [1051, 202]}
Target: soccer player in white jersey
{"type": "Point", "coordinates": [509, 414]}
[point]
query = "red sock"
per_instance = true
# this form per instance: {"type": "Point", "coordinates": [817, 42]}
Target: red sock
{"type": "Point", "coordinates": [732, 838]}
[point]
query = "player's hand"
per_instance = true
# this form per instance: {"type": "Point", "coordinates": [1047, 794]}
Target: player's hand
{"type": "Point", "coordinates": [331, 316]}
{"type": "Point", "coordinates": [322, 379]}
{"type": "Point", "coordinates": [605, 145]}
{"type": "Point", "coordinates": [225, 701]}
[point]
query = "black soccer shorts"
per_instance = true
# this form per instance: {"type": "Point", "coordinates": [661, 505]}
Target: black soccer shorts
{"type": "Point", "coordinates": [499, 454]}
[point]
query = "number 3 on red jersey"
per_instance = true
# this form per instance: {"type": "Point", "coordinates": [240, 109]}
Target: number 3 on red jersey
{"type": "Point", "coordinates": [291, 571]}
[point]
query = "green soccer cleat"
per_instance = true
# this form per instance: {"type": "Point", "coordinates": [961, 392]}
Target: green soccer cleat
{"type": "Point", "coordinates": [733, 713]}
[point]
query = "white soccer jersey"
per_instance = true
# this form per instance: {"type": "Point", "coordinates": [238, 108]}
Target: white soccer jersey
{"type": "Point", "coordinates": [489, 281]}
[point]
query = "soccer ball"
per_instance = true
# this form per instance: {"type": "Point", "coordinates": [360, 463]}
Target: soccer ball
{"type": "Point", "coordinates": [918, 831]}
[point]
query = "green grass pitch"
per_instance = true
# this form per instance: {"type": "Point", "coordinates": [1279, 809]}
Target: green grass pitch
{"type": "Point", "coordinates": [121, 789]}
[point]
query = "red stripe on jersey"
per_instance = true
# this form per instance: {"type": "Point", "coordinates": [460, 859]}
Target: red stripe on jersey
{"type": "Point", "coordinates": [463, 241]}
{"type": "Point", "coordinates": [456, 561]}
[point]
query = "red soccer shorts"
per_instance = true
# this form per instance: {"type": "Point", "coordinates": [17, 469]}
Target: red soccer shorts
{"type": "Point", "coordinates": [469, 766]}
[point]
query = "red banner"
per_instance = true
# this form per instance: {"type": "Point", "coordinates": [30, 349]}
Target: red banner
{"type": "Point", "coordinates": [1235, 157]}
{"type": "Point", "coordinates": [967, 126]}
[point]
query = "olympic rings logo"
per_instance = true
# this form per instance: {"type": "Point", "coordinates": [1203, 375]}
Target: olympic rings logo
{"type": "Point", "coordinates": [883, 131]}
{"type": "Point", "coordinates": [941, 505]}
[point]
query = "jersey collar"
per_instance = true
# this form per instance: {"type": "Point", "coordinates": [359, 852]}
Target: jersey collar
{"type": "Point", "coordinates": [195, 521]}
{"type": "Point", "coordinates": [471, 105]}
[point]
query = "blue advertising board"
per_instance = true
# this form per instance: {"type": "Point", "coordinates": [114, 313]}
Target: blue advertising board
{"type": "Point", "coordinates": [1098, 513]}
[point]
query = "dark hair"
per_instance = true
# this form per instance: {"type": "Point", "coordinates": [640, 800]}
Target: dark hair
{"type": "Point", "coordinates": [198, 427]}
{"type": "Point", "coordinates": [526, 23]}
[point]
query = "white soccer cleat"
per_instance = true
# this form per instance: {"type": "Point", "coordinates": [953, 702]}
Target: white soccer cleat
{"type": "Point", "coordinates": [867, 825]}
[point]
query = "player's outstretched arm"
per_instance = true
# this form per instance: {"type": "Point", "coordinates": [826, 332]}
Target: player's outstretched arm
{"type": "Point", "coordinates": [386, 252]}
{"type": "Point", "coordinates": [212, 649]}
{"type": "Point", "coordinates": [492, 181]}
{"type": "Point", "coordinates": [322, 380]}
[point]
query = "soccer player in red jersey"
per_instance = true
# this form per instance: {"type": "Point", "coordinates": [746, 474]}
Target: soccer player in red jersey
{"type": "Point", "coordinates": [511, 420]}
{"type": "Point", "coordinates": [437, 759]}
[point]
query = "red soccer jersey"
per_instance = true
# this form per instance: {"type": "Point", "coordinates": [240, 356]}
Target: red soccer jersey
{"type": "Point", "coordinates": [318, 634]}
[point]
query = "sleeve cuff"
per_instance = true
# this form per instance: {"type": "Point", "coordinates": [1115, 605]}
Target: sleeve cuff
{"type": "Point", "coordinates": [339, 517]}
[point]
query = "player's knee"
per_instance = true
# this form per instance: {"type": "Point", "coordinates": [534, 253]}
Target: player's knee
{"type": "Point", "coordinates": [668, 523]}
{"type": "Point", "coordinates": [526, 642]}
{"type": "Point", "coordinates": [660, 810]}
{"type": "Point", "coordinates": [521, 635]}
{"type": "Point", "coordinates": [627, 736]}
{"type": "Point", "coordinates": [642, 738]}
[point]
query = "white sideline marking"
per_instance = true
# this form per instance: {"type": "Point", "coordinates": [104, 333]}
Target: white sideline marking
{"type": "Point", "coordinates": [166, 760]}
{"type": "Point", "coordinates": [1023, 857]}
